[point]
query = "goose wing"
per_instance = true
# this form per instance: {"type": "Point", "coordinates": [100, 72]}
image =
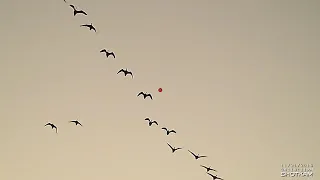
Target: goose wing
{"type": "Point", "coordinates": [130, 74]}
{"type": "Point", "coordinates": [103, 50]}
{"type": "Point", "coordinates": [122, 70]}
{"type": "Point", "coordinates": [204, 166]}
{"type": "Point", "coordinates": [141, 93]}
{"type": "Point", "coordinates": [71, 5]}
{"type": "Point", "coordinates": [149, 96]}
{"type": "Point", "coordinates": [170, 146]}
{"type": "Point", "coordinates": [84, 25]}
{"type": "Point", "coordinates": [211, 175]}
{"type": "Point", "coordinates": [112, 54]}
{"type": "Point", "coordinates": [192, 153]}
{"type": "Point", "coordinates": [82, 12]}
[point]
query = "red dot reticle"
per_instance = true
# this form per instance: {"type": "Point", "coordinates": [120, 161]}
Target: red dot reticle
{"type": "Point", "coordinates": [160, 89]}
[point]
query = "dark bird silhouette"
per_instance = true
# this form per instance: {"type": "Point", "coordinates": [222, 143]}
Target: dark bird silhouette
{"type": "Point", "coordinates": [145, 95]}
{"type": "Point", "coordinates": [90, 26]}
{"type": "Point", "coordinates": [168, 132]}
{"type": "Point", "coordinates": [173, 148]}
{"type": "Point", "coordinates": [126, 72]}
{"type": "Point", "coordinates": [75, 11]}
{"type": "Point", "coordinates": [196, 156]}
{"type": "Point", "coordinates": [151, 122]}
{"type": "Point", "coordinates": [214, 177]}
{"type": "Point", "coordinates": [208, 168]}
{"type": "Point", "coordinates": [52, 126]}
{"type": "Point", "coordinates": [108, 53]}
{"type": "Point", "coordinates": [76, 122]}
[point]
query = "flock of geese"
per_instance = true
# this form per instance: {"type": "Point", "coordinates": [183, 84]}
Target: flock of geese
{"type": "Point", "coordinates": [145, 95]}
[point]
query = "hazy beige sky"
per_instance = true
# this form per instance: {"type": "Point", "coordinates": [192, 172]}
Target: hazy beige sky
{"type": "Point", "coordinates": [240, 84]}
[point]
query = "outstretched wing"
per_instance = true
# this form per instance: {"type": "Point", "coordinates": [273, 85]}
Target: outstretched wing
{"type": "Point", "coordinates": [94, 29]}
{"type": "Point", "coordinates": [48, 124]}
{"type": "Point", "coordinates": [82, 12]}
{"type": "Point", "coordinates": [192, 153]}
{"type": "Point", "coordinates": [155, 122]}
{"type": "Point", "coordinates": [84, 25]}
{"type": "Point", "coordinates": [211, 175]}
{"type": "Point", "coordinates": [103, 50]}
{"type": "Point", "coordinates": [149, 96]}
{"type": "Point", "coordinates": [164, 128]}
{"type": "Point", "coordinates": [204, 166]}
{"type": "Point", "coordinates": [202, 156]}
{"type": "Point", "coordinates": [112, 54]}
{"type": "Point", "coordinates": [178, 148]}
{"type": "Point", "coordinates": [71, 5]}
{"type": "Point", "coordinates": [170, 146]}
{"type": "Point", "coordinates": [141, 93]}
{"type": "Point", "coordinates": [122, 70]}
{"type": "Point", "coordinates": [130, 74]}
{"type": "Point", "coordinates": [173, 131]}
{"type": "Point", "coordinates": [147, 119]}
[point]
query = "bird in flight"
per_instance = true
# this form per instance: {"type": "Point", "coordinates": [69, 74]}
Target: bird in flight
{"type": "Point", "coordinates": [214, 177]}
{"type": "Point", "coordinates": [126, 72]}
{"type": "Point", "coordinates": [151, 122]}
{"type": "Point", "coordinates": [75, 11]}
{"type": "Point", "coordinates": [76, 122]}
{"type": "Point", "coordinates": [52, 126]}
{"type": "Point", "coordinates": [208, 168]}
{"type": "Point", "coordinates": [196, 156]}
{"type": "Point", "coordinates": [108, 53]}
{"type": "Point", "coordinates": [90, 26]}
{"type": "Point", "coordinates": [168, 132]}
{"type": "Point", "coordinates": [173, 148]}
{"type": "Point", "coordinates": [145, 95]}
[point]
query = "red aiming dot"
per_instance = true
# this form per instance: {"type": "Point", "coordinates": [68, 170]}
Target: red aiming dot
{"type": "Point", "coordinates": [160, 89]}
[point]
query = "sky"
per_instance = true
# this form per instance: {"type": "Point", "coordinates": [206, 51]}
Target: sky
{"type": "Point", "coordinates": [240, 84]}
